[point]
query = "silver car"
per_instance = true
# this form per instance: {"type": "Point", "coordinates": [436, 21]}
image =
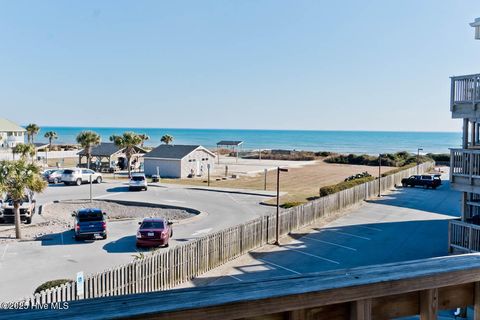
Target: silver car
{"type": "Point", "coordinates": [77, 176]}
{"type": "Point", "coordinates": [138, 181]}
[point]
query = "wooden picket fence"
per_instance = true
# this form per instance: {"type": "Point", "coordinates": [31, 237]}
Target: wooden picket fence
{"type": "Point", "coordinates": [165, 269]}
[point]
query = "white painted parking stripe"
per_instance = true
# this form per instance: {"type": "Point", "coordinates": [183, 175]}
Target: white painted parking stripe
{"type": "Point", "coordinates": [278, 266]}
{"type": "Point", "coordinates": [331, 243]}
{"type": "Point", "coordinates": [235, 278]}
{"type": "Point", "coordinates": [4, 251]}
{"type": "Point", "coordinates": [312, 255]}
{"type": "Point", "coordinates": [348, 234]}
{"type": "Point", "coordinates": [369, 228]}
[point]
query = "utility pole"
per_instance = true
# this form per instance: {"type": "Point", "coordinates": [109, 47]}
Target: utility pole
{"type": "Point", "coordinates": [265, 179]}
{"type": "Point", "coordinates": [418, 159]}
{"type": "Point", "coordinates": [91, 198]}
{"type": "Point", "coordinates": [208, 170]}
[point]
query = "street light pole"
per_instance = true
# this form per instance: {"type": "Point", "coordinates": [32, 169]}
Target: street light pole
{"type": "Point", "coordinates": [379, 175]}
{"type": "Point", "coordinates": [277, 231]}
{"type": "Point", "coordinates": [208, 169]}
{"type": "Point", "coordinates": [418, 159]}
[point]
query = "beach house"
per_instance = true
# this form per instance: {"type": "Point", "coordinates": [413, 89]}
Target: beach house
{"type": "Point", "coordinates": [178, 161]}
{"type": "Point", "coordinates": [464, 235]}
{"type": "Point", "coordinates": [11, 134]}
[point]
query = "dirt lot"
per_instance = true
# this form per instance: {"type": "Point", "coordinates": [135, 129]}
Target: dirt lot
{"type": "Point", "coordinates": [301, 183]}
{"type": "Point", "coordinates": [57, 217]}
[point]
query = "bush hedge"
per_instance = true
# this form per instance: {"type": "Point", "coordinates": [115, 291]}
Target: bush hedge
{"type": "Point", "coordinates": [444, 157]}
{"type": "Point", "coordinates": [291, 204]}
{"type": "Point", "coordinates": [398, 159]}
{"type": "Point", "coordinates": [51, 284]}
{"type": "Point", "coordinates": [325, 191]}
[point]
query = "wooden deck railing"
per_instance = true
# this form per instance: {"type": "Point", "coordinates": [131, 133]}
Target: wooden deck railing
{"type": "Point", "coordinates": [465, 163]}
{"type": "Point", "coordinates": [421, 287]}
{"type": "Point", "coordinates": [165, 269]}
{"type": "Point", "coordinates": [464, 237]}
{"type": "Point", "coordinates": [465, 89]}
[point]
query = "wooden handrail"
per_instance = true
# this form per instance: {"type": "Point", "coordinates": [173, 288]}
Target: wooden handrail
{"type": "Point", "coordinates": [381, 291]}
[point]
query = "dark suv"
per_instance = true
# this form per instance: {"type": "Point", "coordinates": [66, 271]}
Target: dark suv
{"type": "Point", "coordinates": [426, 181]}
{"type": "Point", "coordinates": [90, 223]}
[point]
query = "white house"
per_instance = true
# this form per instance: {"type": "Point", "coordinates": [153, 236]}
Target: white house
{"type": "Point", "coordinates": [11, 134]}
{"type": "Point", "coordinates": [178, 161]}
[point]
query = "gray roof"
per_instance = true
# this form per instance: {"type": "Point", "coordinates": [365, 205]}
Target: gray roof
{"type": "Point", "coordinates": [169, 151]}
{"type": "Point", "coordinates": [229, 143]}
{"type": "Point", "coordinates": [9, 126]}
{"type": "Point", "coordinates": [106, 149]}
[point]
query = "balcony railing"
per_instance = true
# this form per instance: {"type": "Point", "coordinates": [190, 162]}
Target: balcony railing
{"type": "Point", "coordinates": [373, 292]}
{"type": "Point", "coordinates": [465, 169]}
{"type": "Point", "coordinates": [464, 237]}
{"type": "Point", "coordinates": [465, 89]}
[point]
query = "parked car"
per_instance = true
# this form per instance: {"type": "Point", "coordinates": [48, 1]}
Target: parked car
{"type": "Point", "coordinates": [138, 181]}
{"type": "Point", "coordinates": [427, 181]}
{"type": "Point", "coordinates": [154, 232]}
{"type": "Point", "coordinates": [27, 209]}
{"type": "Point", "coordinates": [53, 176]}
{"type": "Point", "coordinates": [47, 172]}
{"type": "Point", "coordinates": [77, 176]}
{"type": "Point", "coordinates": [90, 223]}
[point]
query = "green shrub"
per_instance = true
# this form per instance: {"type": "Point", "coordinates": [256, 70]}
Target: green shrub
{"type": "Point", "coordinates": [291, 204]}
{"type": "Point", "coordinates": [408, 166]}
{"type": "Point", "coordinates": [325, 191]}
{"type": "Point", "coordinates": [444, 157]}
{"type": "Point", "coordinates": [398, 159]}
{"type": "Point", "coordinates": [51, 284]}
{"type": "Point", "coordinates": [323, 153]}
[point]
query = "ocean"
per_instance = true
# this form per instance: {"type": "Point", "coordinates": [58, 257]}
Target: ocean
{"type": "Point", "coordinates": [360, 142]}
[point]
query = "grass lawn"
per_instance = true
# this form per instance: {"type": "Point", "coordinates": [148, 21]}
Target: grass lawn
{"type": "Point", "coordinates": [300, 183]}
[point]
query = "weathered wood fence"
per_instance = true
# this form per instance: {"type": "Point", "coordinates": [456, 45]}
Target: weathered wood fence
{"type": "Point", "coordinates": [165, 269]}
{"type": "Point", "coordinates": [389, 291]}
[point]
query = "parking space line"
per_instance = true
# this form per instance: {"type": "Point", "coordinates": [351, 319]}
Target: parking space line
{"type": "Point", "coordinates": [108, 195]}
{"type": "Point", "coordinates": [235, 278]}
{"type": "Point", "coordinates": [348, 234]}
{"type": "Point", "coordinates": [368, 228]}
{"type": "Point", "coordinates": [312, 255]}
{"type": "Point", "coordinates": [331, 243]}
{"type": "Point", "coordinates": [278, 266]}
{"type": "Point", "coordinates": [4, 251]}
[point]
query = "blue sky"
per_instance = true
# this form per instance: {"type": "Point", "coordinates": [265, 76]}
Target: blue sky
{"type": "Point", "coordinates": [316, 65]}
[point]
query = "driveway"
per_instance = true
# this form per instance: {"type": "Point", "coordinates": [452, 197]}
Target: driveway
{"type": "Point", "coordinates": [27, 264]}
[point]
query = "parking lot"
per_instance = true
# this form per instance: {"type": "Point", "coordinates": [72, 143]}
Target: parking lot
{"type": "Point", "coordinates": [26, 264]}
{"type": "Point", "coordinates": [405, 224]}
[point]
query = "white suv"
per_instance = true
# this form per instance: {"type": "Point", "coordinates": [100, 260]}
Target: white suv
{"type": "Point", "coordinates": [138, 181]}
{"type": "Point", "coordinates": [78, 176]}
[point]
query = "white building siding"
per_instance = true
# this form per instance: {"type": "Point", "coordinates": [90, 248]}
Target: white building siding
{"type": "Point", "coordinates": [196, 163]}
{"type": "Point", "coordinates": [167, 168]}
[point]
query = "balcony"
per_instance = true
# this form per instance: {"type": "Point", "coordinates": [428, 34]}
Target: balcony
{"type": "Point", "coordinates": [421, 287]}
{"type": "Point", "coordinates": [465, 96]}
{"type": "Point", "coordinates": [463, 237]}
{"type": "Point", "coordinates": [465, 170]}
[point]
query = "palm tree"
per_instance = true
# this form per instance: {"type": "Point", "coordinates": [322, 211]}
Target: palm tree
{"type": "Point", "coordinates": [32, 131]}
{"type": "Point", "coordinates": [50, 135]}
{"type": "Point", "coordinates": [24, 150]}
{"type": "Point", "coordinates": [17, 180]}
{"type": "Point", "coordinates": [88, 140]}
{"type": "Point", "coordinates": [167, 139]}
{"type": "Point", "coordinates": [129, 140]}
{"type": "Point", "coordinates": [144, 138]}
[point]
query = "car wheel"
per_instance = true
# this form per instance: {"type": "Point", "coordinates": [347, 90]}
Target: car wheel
{"type": "Point", "coordinates": [77, 238]}
{"type": "Point", "coordinates": [404, 185]}
{"type": "Point", "coordinates": [166, 245]}
{"type": "Point", "coordinates": [146, 188]}
{"type": "Point", "coordinates": [98, 180]}
{"type": "Point", "coordinates": [104, 237]}
{"type": "Point", "coordinates": [28, 220]}
{"type": "Point", "coordinates": [56, 180]}
{"type": "Point", "coordinates": [79, 182]}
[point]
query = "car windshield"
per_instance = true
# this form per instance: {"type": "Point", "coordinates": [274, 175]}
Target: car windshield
{"type": "Point", "coordinates": [138, 178]}
{"type": "Point", "coordinates": [90, 216]}
{"type": "Point", "coordinates": [25, 199]}
{"type": "Point", "coordinates": [427, 177]}
{"type": "Point", "coordinates": [152, 225]}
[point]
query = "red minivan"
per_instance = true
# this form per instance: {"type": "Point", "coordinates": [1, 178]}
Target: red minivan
{"type": "Point", "coordinates": [154, 232]}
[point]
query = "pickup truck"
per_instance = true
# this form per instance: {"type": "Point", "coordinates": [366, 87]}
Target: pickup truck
{"type": "Point", "coordinates": [426, 181]}
{"type": "Point", "coordinates": [27, 210]}
{"type": "Point", "coordinates": [90, 223]}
